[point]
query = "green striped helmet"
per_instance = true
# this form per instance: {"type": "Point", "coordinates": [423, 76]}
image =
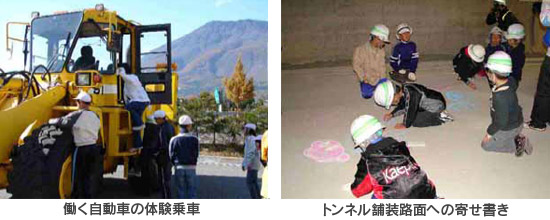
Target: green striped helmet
{"type": "Point", "coordinates": [363, 127]}
{"type": "Point", "coordinates": [515, 31]}
{"type": "Point", "coordinates": [383, 94]}
{"type": "Point", "coordinates": [500, 63]}
{"type": "Point", "coordinates": [381, 31]}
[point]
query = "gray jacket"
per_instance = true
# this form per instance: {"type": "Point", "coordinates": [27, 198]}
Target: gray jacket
{"type": "Point", "coordinates": [251, 158]}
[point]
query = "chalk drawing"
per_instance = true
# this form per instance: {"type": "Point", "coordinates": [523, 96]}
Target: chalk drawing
{"type": "Point", "coordinates": [442, 88]}
{"type": "Point", "coordinates": [458, 101]}
{"type": "Point", "coordinates": [326, 152]}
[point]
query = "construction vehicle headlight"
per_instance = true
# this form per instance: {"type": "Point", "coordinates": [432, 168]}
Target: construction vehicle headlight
{"type": "Point", "coordinates": [83, 79]}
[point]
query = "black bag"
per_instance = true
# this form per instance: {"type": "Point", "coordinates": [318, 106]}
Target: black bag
{"type": "Point", "coordinates": [390, 165]}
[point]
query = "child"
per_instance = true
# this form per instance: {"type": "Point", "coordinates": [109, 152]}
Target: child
{"type": "Point", "coordinates": [368, 60]}
{"type": "Point", "coordinates": [404, 58]}
{"type": "Point", "coordinates": [468, 62]}
{"type": "Point", "coordinates": [514, 36]}
{"type": "Point", "coordinates": [495, 43]}
{"type": "Point", "coordinates": [420, 106]}
{"type": "Point", "coordinates": [504, 133]}
{"type": "Point", "coordinates": [251, 160]}
{"type": "Point", "coordinates": [386, 167]}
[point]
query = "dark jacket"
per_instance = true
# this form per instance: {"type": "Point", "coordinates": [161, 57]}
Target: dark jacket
{"type": "Point", "coordinates": [503, 21]}
{"type": "Point", "coordinates": [518, 61]}
{"type": "Point", "coordinates": [388, 169]}
{"type": "Point", "coordinates": [417, 98]}
{"type": "Point", "coordinates": [465, 66]}
{"type": "Point", "coordinates": [151, 138]}
{"type": "Point", "coordinates": [184, 149]}
{"type": "Point", "coordinates": [167, 131]}
{"type": "Point", "coordinates": [506, 114]}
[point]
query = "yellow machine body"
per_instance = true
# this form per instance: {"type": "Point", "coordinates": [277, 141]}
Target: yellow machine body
{"type": "Point", "coordinates": [21, 110]}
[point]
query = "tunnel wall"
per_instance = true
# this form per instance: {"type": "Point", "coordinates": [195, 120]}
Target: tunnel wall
{"type": "Point", "coordinates": [329, 30]}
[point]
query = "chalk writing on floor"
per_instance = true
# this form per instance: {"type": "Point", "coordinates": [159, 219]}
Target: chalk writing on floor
{"type": "Point", "coordinates": [458, 101]}
{"type": "Point", "coordinates": [327, 152]}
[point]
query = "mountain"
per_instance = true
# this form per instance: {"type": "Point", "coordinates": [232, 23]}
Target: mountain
{"type": "Point", "coordinates": [210, 53]}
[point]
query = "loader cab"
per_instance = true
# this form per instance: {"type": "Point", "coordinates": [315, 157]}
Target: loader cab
{"type": "Point", "coordinates": [62, 44]}
{"type": "Point", "coordinates": [51, 40]}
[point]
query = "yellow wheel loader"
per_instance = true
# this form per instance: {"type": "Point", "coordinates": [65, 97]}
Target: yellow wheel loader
{"type": "Point", "coordinates": [54, 72]}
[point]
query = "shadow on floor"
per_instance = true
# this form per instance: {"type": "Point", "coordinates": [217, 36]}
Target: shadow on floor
{"type": "Point", "coordinates": [209, 187]}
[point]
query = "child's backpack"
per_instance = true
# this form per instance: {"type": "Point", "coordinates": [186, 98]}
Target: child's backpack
{"type": "Point", "coordinates": [391, 166]}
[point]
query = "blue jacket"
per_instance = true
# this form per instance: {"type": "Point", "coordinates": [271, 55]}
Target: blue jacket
{"type": "Point", "coordinates": [184, 149]}
{"type": "Point", "coordinates": [404, 56]}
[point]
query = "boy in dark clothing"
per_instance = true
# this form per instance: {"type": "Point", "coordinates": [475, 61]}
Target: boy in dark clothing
{"type": "Point", "coordinates": [501, 15]}
{"type": "Point", "coordinates": [184, 153]}
{"type": "Point", "coordinates": [386, 167]}
{"type": "Point", "coordinates": [495, 43]}
{"type": "Point", "coordinates": [514, 36]}
{"type": "Point", "coordinates": [150, 148]}
{"type": "Point", "coordinates": [404, 59]}
{"type": "Point", "coordinates": [165, 133]}
{"type": "Point", "coordinates": [504, 132]}
{"type": "Point", "coordinates": [468, 62]}
{"type": "Point", "coordinates": [420, 106]}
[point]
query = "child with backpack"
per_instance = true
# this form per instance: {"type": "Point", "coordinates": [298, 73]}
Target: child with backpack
{"type": "Point", "coordinates": [386, 167]}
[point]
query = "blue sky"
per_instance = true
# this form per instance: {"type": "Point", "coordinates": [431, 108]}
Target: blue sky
{"type": "Point", "coordinates": [184, 15]}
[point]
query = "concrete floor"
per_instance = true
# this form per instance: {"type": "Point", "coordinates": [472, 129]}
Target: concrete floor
{"type": "Point", "coordinates": [320, 104]}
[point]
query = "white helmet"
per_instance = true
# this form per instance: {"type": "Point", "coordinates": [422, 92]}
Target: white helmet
{"type": "Point", "coordinates": [185, 120]}
{"type": "Point", "coordinates": [502, 2]}
{"type": "Point", "coordinates": [515, 31]}
{"type": "Point", "coordinates": [159, 114]}
{"type": "Point", "coordinates": [250, 126]}
{"type": "Point", "coordinates": [496, 30]}
{"type": "Point", "coordinates": [402, 28]}
{"type": "Point", "coordinates": [383, 94]}
{"type": "Point", "coordinates": [363, 127]}
{"type": "Point", "coordinates": [476, 52]}
{"type": "Point", "coordinates": [545, 15]}
{"type": "Point", "coordinates": [84, 97]}
{"type": "Point", "coordinates": [381, 31]}
{"type": "Point", "coordinates": [500, 63]}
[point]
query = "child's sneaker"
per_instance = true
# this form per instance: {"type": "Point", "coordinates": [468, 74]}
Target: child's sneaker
{"type": "Point", "coordinates": [445, 116]}
{"type": "Point", "coordinates": [398, 77]}
{"type": "Point", "coordinates": [523, 145]}
{"type": "Point", "coordinates": [519, 146]}
{"type": "Point", "coordinates": [412, 76]}
{"type": "Point", "coordinates": [530, 125]}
